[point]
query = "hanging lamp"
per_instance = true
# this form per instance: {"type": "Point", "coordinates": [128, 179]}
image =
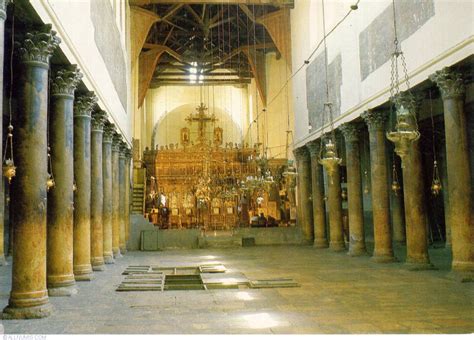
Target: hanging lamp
{"type": "Point", "coordinates": [406, 128]}
{"type": "Point", "coordinates": [8, 164]}
{"type": "Point", "coordinates": [395, 183]}
{"type": "Point", "coordinates": [328, 157]}
{"type": "Point", "coordinates": [436, 181]}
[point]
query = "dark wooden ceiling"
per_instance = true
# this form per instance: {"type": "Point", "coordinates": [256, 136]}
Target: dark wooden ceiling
{"type": "Point", "coordinates": [207, 37]}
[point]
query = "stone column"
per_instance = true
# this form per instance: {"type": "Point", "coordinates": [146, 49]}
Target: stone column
{"type": "Point", "coordinates": [29, 295]}
{"type": "Point", "coordinates": [127, 194]}
{"type": "Point", "coordinates": [122, 184]}
{"type": "Point", "coordinates": [3, 16]}
{"type": "Point", "coordinates": [82, 196]}
{"type": "Point", "coordinates": [383, 251]}
{"type": "Point", "coordinates": [60, 220]}
{"type": "Point", "coordinates": [115, 195]}
{"type": "Point", "coordinates": [304, 193]}
{"type": "Point", "coordinates": [414, 197]}
{"type": "Point", "coordinates": [97, 192]}
{"type": "Point", "coordinates": [452, 90]}
{"type": "Point", "coordinates": [336, 228]}
{"type": "Point", "coordinates": [107, 190]}
{"type": "Point", "coordinates": [317, 184]}
{"type": "Point", "coordinates": [354, 190]}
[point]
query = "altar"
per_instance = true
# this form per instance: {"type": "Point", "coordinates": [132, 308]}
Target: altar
{"type": "Point", "coordinates": [212, 184]}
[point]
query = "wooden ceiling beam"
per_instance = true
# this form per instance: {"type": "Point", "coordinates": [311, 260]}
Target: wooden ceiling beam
{"type": "Point", "coordinates": [276, 3]}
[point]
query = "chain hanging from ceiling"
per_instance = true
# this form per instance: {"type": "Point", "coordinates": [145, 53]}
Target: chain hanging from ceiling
{"type": "Point", "coordinates": [406, 128]}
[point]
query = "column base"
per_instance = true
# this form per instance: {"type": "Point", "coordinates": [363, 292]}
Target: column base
{"type": "Point", "coordinates": [123, 249]}
{"type": "Point", "coordinates": [462, 266]}
{"type": "Point", "coordinates": [35, 312]}
{"type": "Point", "coordinates": [383, 258]}
{"type": "Point", "coordinates": [461, 276]}
{"type": "Point", "coordinates": [83, 272]}
{"type": "Point", "coordinates": [117, 253]}
{"type": "Point", "coordinates": [98, 264]}
{"type": "Point", "coordinates": [418, 266]}
{"type": "Point", "coordinates": [320, 243]}
{"type": "Point", "coordinates": [3, 261]}
{"type": "Point", "coordinates": [357, 250]}
{"type": "Point", "coordinates": [99, 268]}
{"type": "Point", "coordinates": [62, 291]}
{"type": "Point", "coordinates": [337, 246]}
{"type": "Point", "coordinates": [109, 259]}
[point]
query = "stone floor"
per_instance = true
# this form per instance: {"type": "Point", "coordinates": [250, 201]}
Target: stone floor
{"type": "Point", "coordinates": [338, 294]}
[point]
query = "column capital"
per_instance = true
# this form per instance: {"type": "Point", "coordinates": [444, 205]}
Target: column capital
{"type": "Point", "coordinates": [123, 149]}
{"type": "Point", "coordinates": [301, 153]}
{"type": "Point", "coordinates": [375, 120]}
{"type": "Point", "coordinates": [84, 103]}
{"type": "Point", "coordinates": [350, 131]}
{"type": "Point", "coordinates": [116, 140]}
{"type": "Point", "coordinates": [98, 120]}
{"type": "Point", "coordinates": [64, 80]}
{"type": "Point", "coordinates": [449, 82]}
{"type": "Point", "coordinates": [38, 46]}
{"type": "Point", "coordinates": [109, 130]}
{"type": "Point", "coordinates": [314, 148]}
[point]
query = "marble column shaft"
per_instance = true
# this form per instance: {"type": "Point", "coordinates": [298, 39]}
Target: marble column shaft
{"type": "Point", "coordinates": [414, 197]}
{"type": "Point", "coordinates": [107, 191]}
{"type": "Point", "coordinates": [127, 195]}
{"type": "Point", "coordinates": [304, 190]}
{"type": "Point", "coordinates": [82, 196]}
{"type": "Point", "coordinates": [336, 228]}
{"type": "Point", "coordinates": [116, 195]}
{"type": "Point", "coordinates": [354, 190]}
{"type": "Point", "coordinates": [3, 16]}
{"type": "Point", "coordinates": [97, 192]}
{"type": "Point", "coordinates": [60, 219]}
{"type": "Point", "coordinates": [383, 250]}
{"type": "Point", "coordinates": [317, 185]}
{"type": "Point", "coordinates": [29, 294]}
{"type": "Point", "coordinates": [122, 190]}
{"type": "Point", "coordinates": [452, 90]}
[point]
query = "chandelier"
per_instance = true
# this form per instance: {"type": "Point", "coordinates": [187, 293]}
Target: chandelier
{"type": "Point", "coordinates": [406, 129]}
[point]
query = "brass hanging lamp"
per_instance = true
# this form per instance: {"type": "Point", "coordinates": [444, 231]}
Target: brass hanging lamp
{"type": "Point", "coordinates": [8, 164]}
{"type": "Point", "coordinates": [406, 128]}
{"type": "Point", "coordinates": [395, 183]}
{"type": "Point", "coordinates": [436, 181]}
{"type": "Point", "coordinates": [328, 157]}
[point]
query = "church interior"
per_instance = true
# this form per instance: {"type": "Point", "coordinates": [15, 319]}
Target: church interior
{"type": "Point", "coordinates": [237, 167]}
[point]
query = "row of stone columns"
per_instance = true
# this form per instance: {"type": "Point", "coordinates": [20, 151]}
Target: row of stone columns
{"type": "Point", "coordinates": [63, 234]}
{"type": "Point", "coordinates": [311, 187]}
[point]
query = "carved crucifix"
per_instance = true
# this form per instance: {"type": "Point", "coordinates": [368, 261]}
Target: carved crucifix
{"type": "Point", "coordinates": [202, 118]}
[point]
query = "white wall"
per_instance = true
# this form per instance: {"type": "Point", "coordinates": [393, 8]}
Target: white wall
{"type": "Point", "coordinates": [443, 40]}
{"type": "Point", "coordinates": [71, 19]}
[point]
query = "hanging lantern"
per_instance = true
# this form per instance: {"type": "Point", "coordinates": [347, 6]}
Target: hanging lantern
{"type": "Point", "coordinates": [406, 132]}
{"type": "Point", "coordinates": [344, 194]}
{"type": "Point", "coordinates": [290, 170]}
{"type": "Point", "coordinates": [9, 168]}
{"type": "Point", "coordinates": [366, 183]}
{"type": "Point", "coordinates": [50, 181]}
{"type": "Point", "coordinates": [329, 159]}
{"type": "Point", "coordinates": [436, 183]}
{"type": "Point", "coordinates": [395, 184]}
